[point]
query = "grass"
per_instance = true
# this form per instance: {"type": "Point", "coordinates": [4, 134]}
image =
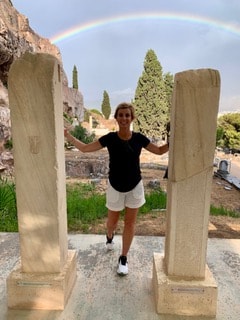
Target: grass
{"type": "Point", "coordinates": [85, 206]}
{"type": "Point", "coordinates": [8, 207]}
{"type": "Point", "coordinates": [156, 200]}
{"type": "Point", "coordinates": [214, 211]}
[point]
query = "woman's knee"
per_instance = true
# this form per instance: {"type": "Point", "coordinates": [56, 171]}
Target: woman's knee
{"type": "Point", "coordinates": [130, 218]}
{"type": "Point", "coordinates": [113, 217]}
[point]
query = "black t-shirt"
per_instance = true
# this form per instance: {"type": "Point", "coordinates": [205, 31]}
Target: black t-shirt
{"type": "Point", "coordinates": [124, 163]}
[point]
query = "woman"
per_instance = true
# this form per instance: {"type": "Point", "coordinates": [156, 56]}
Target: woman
{"type": "Point", "coordinates": [125, 187]}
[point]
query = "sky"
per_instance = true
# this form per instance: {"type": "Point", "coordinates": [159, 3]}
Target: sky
{"type": "Point", "coordinates": [108, 40]}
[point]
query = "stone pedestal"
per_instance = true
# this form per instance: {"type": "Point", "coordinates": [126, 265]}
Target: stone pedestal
{"type": "Point", "coordinates": [46, 266]}
{"type": "Point", "coordinates": [183, 297]}
{"type": "Point", "coordinates": [182, 285]}
{"type": "Point", "coordinates": [47, 291]}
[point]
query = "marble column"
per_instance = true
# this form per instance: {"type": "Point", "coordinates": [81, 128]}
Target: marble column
{"type": "Point", "coordinates": [183, 283]}
{"type": "Point", "coordinates": [46, 272]}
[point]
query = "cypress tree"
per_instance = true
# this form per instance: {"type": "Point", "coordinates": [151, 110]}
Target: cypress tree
{"type": "Point", "coordinates": [168, 80]}
{"type": "Point", "coordinates": [151, 99]}
{"type": "Point", "coordinates": [75, 78]}
{"type": "Point", "coordinates": [106, 108]}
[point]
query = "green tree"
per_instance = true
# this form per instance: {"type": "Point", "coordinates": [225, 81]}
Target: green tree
{"type": "Point", "coordinates": [169, 82]}
{"type": "Point", "coordinates": [219, 136]}
{"type": "Point", "coordinates": [228, 131]}
{"type": "Point", "coordinates": [96, 111]}
{"type": "Point", "coordinates": [106, 108]}
{"type": "Point", "coordinates": [152, 99]}
{"type": "Point", "coordinates": [75, 78]}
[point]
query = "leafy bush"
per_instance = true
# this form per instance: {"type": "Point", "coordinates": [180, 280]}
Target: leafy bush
{"type": "Point", "coordinates": [82, 134]}
{"type": "Point", "coordinates": [228, 131]}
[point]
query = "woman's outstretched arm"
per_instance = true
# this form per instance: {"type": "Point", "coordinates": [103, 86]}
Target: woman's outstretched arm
{"type": "Point", "coordinates": [90, 147]}
{"type": "Point", "coordinates": [151, 147]}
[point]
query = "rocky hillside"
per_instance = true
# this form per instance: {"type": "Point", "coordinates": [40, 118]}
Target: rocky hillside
{"type": "Point", "coordinates": [17, 37]}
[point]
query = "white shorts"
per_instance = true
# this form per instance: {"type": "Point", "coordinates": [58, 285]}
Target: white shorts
{"type": "Point", "coordinates": [117, 201]}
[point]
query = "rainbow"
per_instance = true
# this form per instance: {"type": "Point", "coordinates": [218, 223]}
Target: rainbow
{"type": "Point", "coordinates": [232, 28]}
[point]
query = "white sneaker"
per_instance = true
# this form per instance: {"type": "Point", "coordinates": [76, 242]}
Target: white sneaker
{"type": "Point", "coordinates": [122, 266]}
{"type": "Point", "coordinates": [110, 244]}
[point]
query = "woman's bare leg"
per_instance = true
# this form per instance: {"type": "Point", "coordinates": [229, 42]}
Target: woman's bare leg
{"type": "Point", "coordinates": [112, 221]}
{"type": "Point", "coordinates": [129, 229]}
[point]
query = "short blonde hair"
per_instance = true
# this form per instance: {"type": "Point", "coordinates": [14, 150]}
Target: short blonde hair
{"type": "Point", "coordinates": [125, 105]}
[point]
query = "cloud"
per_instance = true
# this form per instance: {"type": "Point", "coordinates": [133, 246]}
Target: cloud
{"type": "Point", "coordinates": [124, 95]}
{"type": "Point", "coordinates": [110, 57]}
{"type": "Point", "coordinates": [127, 91]}
{"type": "Point", "coordinates": [230, 103]}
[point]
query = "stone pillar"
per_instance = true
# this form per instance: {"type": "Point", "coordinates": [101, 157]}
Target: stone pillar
{"type": "Point", "coordinates": [183, 284]}
{"type": "Point", "coordinates": [90, 123]}
{"type": "Point", "coordinates": [47, 269]}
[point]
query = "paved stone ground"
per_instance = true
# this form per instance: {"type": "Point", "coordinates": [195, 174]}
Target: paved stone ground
{"type": "Point", "coordinates": [99, 294]}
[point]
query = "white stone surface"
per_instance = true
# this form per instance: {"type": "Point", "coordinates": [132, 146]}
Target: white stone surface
{"type": "Point", "coordinates": [193, 122]}
{"type": "Point", "coordinates": [35, 98]}
{"type": "Point", "coordinates": [38, 148]}
{"type": "Point", "coordinates": [42, 291]}
{"type": "Point", "coordinates": [192, 145]}
{"type": "Point", "coordinates": [183, 297]}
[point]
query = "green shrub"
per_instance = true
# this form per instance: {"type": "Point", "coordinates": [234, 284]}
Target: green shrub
{"type": "Point", "coordinates": [82, 134]}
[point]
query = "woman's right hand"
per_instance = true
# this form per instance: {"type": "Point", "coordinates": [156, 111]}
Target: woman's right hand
{"type": "Point", "coordinates": [65, 132]}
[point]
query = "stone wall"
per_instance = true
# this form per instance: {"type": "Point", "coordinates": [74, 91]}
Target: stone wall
{"type": "Point", "coordinates": [91, 165]}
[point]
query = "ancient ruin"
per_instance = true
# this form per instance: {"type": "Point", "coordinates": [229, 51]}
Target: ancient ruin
{"type": "Point", "coordinates": [16, 38]}
{"type": "Point", "coordinates": [46, 272]}
{"type": "Point", "coordinates": [183, 283]}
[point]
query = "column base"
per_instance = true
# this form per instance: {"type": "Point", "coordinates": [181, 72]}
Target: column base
{"type": "Point", "coordinates": [42, 291]}
{"type": "Point", "coordinates": [181, 297]}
